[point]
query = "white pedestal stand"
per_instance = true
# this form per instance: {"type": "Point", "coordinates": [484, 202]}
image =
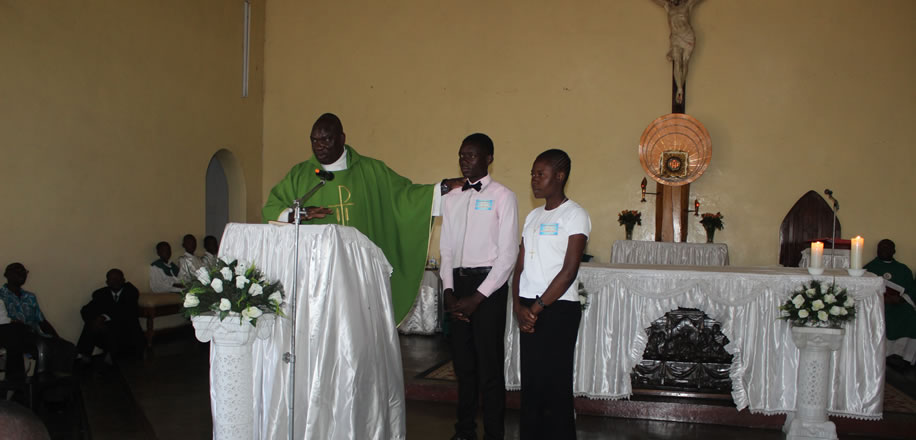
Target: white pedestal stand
{"type": "Point", "coordinates": [810, 418]}
{"type": "Point", "coordinates": [230, 372]}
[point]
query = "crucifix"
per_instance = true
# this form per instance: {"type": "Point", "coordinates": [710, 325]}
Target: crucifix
{"type": "Point", "coordinates": [682, 40]}
{"type": "Point", "coordinates": [675, 149]}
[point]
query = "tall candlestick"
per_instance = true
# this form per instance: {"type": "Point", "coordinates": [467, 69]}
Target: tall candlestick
{"type": "Point", "coordinates": [855, 252]}
{"type": "Point", "coordinates": [817, 255]}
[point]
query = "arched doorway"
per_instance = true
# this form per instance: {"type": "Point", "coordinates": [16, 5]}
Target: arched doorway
{"type": "Point", "coordinates": [225, 192]}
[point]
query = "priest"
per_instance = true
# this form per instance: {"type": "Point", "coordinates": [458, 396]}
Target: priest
{"type": "Point", "coordinates": [393, 212]}
{"type": "Point", "coordinates": [899, 307]}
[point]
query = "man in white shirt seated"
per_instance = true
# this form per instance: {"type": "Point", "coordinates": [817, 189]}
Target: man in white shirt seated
{"type": "Point", "coordinates": [163, 274]}
{"type": "Point", "coordinates": [188, 263]}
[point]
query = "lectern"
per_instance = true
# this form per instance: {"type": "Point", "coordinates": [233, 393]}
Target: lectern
{"type": "Point", "coordinates": [349, 381]}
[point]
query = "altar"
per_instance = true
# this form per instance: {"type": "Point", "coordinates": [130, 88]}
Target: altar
{"type": "Point", "coordinates": [623, 300]}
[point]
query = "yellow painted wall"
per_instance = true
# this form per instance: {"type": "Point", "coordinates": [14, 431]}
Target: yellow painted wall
{"type": "Point", "coordinates": [109, 114]}
{"type": "Point", "coordinates": [797, 95]}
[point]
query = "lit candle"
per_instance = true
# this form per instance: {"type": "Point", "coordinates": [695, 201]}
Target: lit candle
{"type": "Point", "coordinates": [855, 252]}
{"type": "Point", "coordinates": [817, 255]}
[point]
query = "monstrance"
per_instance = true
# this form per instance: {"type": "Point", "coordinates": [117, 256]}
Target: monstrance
{"type": "Point", "coordinates": [674, 150]}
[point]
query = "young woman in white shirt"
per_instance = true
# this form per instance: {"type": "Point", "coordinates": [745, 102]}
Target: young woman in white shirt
{"type": "Point", "coordinates": [546, 301]}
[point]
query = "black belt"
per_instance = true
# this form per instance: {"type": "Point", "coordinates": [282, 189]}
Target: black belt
{"type": "Point", "coordinates": [471, 271]}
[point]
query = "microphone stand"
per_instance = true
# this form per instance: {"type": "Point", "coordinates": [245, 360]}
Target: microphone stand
{"type": "Point", "coordinates": [836, 207]}
{"type": "Point", "coordinates": [290, 356]}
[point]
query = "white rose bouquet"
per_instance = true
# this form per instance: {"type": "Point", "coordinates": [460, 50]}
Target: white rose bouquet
{"type": "Point", "coordinates": [232, 287]}
{"type": "Point", "coordinates": [583, 295]}
{"type": "Point", "coordinates": [815, 306]}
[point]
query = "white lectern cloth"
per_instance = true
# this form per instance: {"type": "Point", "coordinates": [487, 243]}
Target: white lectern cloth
{"type": "Point", "coordinates": [625, 299]}
{"type": "Point", "coordinates": [349, 380]}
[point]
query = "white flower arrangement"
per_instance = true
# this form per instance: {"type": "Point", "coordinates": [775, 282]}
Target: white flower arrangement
{"type": "Point", "coordinates": [815, 306]}
{"type": "Point", "coordinates": [232, 287]}
{"type": "Point", "coordinates": [583, 295]}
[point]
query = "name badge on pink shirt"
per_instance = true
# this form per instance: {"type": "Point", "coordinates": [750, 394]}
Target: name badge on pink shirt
{"type": "Point", "coordinates": [483, 205]}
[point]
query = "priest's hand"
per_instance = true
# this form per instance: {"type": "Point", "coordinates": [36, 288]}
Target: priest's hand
{"type": "Point", "coordinates": [463, 308]}
{"type": "Point", "coordinates": [310, 212]}
{"type": "Point", "coordinates": [525, 317]}
{"type": "Point", "coordinates": [453, 183]}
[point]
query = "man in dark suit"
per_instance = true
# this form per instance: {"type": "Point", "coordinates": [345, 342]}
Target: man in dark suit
{"type": "Point", "coordinates": [111, 320]}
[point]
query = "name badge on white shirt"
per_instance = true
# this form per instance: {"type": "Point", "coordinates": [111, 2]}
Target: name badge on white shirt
{"type": "Point", "coordinates": [483, 205]}
{"type": "Point", "coordinates": [549, 229]}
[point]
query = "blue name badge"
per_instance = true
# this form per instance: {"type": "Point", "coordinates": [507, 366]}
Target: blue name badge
{"type": "Point", "coordinates": [483, 205]}
{"type": "Point", "coordinates": [549, 229]}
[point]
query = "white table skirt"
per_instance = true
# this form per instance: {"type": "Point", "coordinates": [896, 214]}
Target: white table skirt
{"type": "Point", "coordinates": [661, 252]}
{"type": "Point", "coordinates": [833, 258]}
{"type": "Point", "coordinates": [424, 317]}
{"type": "Point", "coordinates": [349, 378]}
{"type": "Point", "coordinates": [625, 299]}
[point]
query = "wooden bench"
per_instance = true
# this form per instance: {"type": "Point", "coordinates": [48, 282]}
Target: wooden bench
{"type": "Point", "coordinates": [152, 305]}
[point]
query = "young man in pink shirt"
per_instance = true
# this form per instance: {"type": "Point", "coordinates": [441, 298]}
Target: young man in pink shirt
{"type": "Point", "coordinates": [478, 245]}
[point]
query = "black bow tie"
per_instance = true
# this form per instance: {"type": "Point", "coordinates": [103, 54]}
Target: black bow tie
{"type": "Point", "coordinates": [467, 186]}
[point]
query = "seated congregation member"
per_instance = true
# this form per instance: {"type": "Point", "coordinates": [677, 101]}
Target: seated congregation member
{"type": "Point", "coordinates": [367, 195]}
{"type": "Point", "coordinates": [546, 301]}
{"type": "Point", "coordinates": [24, 313]}
{"type": "Point", "coordinates": [479, 243]}
{"type": "Point", "coordinates": [188, 263]}
{"type": "Point", "coordinates": [111, 320]}
{"type": "Point", "coordinates": [163, 274]}
{"type": "Point", "coordinates": [899, 313]}
{"type": "Point", "coordinates": [211, 247]}
{"type": "Point", "coordinates": [13, 339]}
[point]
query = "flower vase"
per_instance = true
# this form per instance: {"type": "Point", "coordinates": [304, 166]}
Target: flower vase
{"type": "Point", "coordinates": [815, 344]}
{"type": "Point", "coordinates": [629, 229]}
{"type": "Point", "coordinates": [231, 377]}
{"type": "Point", "coordinates": [710, 234]}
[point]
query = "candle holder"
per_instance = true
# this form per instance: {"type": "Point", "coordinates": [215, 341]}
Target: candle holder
{"type": "Point", "coordinates": [815, 270]}
{"type": "Point", "coordinates": [696, 208]}
{"type": "Point", "coordinates": [855, 272]}
{"type": "Point", "coordinates": [643, 187]}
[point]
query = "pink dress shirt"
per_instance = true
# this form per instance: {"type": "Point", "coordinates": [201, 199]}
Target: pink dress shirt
{"type": "Point", "coordinates": [479, 229]}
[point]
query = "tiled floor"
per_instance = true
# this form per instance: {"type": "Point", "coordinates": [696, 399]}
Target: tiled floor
{"type": "Point", "coordinates": [166, 396]}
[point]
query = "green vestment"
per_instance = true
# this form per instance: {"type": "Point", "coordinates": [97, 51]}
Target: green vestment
{"type": "Point", "coordinates": [900, 318]}
{"type": "Point", "coordinates": [394, 213]}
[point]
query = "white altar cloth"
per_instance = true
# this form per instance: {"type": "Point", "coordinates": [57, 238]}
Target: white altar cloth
{"type": "Point", "coordinates": [424, 318]}
{"type": "Point", "coordinates": [833, 258]}
{"type": "Point", "coordinates": [349, 379]}
{"type": "Point", "coordinates": [625, 299]}
{"type": "Point", "coordinates": [662, 252]}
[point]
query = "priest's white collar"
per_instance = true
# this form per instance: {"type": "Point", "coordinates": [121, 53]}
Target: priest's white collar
{"type": "Point", "coordinates": [338, 165]}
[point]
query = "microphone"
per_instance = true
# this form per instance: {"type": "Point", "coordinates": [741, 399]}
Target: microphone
{"type": "Point", "coordinates": [324, 175]}
{"type": "Point", "coordinates": [836, 204]}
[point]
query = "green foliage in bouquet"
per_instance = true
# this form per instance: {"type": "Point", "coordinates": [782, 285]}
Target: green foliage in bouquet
{"type": "Point", "coordinates": [232, 287]}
